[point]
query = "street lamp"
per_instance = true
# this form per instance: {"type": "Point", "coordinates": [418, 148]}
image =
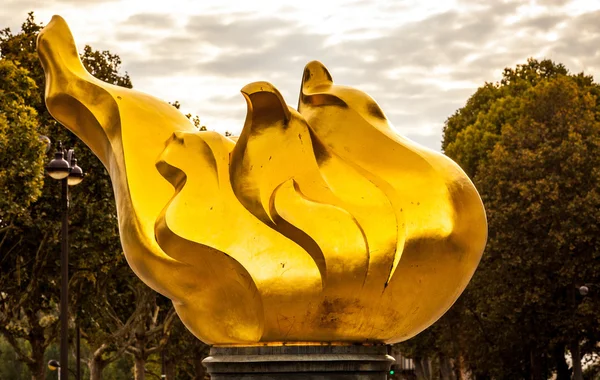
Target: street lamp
{"type": "Point", "coordinates": [69, 173]}
{"type": "Point", "coordinates": [53, 365]}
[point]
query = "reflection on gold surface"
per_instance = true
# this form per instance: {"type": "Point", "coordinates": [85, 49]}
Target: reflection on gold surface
{"type": "Point", "coordinates": [320, 224]}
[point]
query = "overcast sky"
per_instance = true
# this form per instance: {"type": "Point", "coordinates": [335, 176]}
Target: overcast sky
{"type": "Point", "coordinates": [419, 59]}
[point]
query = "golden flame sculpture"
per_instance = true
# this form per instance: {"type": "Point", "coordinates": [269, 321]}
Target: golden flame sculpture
{"type": "Point", "coordinates": [317, 225]}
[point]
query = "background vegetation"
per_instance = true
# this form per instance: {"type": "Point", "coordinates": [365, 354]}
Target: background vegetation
{"type": "Point", "coordinates": [531, 144]}
{"type": "Point", "coordinates": [128, 330]}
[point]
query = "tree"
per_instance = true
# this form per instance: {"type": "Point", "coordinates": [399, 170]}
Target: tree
{"type": "Point", "coordinates": [104, 65]}
{"type": "Point", "coordinates": [183, 354]}
{"type": "Point", "coordinates": [110, 320]}
{"type": "Point", "coordinates": [195, 119]}
{"type": "Point", "coordinates": [30, 246]}
{"type": "Point", "coordinates": [541, 190]}
{"type": "Point", "coordinates": [473, 131]}
{"type": "Point", "coordinates": [436, 352]}
{"type": "Point", "coordinates": [531, 142]}
{"type": "Point", "coordinates": [26, 312]}
{"type": "Point", "coordinates": [152, 327]}
{"type": "Point", "coordinates": [20, 177]}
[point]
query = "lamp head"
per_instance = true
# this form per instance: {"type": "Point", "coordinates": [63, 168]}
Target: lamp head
{"type": "Point", "coordinates": [53, 365]}
{"type": "Point", "coordinates": [58, 168]}
{"type": "Point", "coordinates": [76, 175]}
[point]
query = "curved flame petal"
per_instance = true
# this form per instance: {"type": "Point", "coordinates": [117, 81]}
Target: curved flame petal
{"type": "Point", "coordinates": [206, 213]}
{"type": "Point", "coordinates": [229, 297]}
{"type": "Point", "coordinates": [437, 205]}
{"type": "Point", "coordinates": [334, 230]}
{"type": "Point", "coordinates": [275, 148]}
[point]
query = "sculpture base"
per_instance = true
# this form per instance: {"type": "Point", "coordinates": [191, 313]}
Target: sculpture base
{"type": "Point", "coordinates": [311, 362]}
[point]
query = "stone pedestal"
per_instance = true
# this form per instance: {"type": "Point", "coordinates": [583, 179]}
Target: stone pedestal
{"type": "Point", "coordinates": [299, 362]}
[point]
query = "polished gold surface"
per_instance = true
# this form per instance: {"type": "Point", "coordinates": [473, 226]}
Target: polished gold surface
{"type": "Point", "coordinates": [316, 225]}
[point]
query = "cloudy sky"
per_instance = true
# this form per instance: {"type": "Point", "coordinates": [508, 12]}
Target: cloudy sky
{"type": "Point", "coordinates": [420, 59]}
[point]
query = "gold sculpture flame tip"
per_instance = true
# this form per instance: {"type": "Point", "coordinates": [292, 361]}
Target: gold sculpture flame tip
{"type": "Point", "coordinates": [315, 75]}
{"type": "Point", "coordinates": [261, 96]}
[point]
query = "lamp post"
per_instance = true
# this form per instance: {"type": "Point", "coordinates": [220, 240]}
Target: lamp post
{"type": "Point", "coordinates": [69, 173]}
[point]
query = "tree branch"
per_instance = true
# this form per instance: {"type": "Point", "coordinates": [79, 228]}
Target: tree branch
{"type": "Point", "coordinates": [120, 351]}
{"type": "Point", "coordinates": [134, 351]}
{"type": "Point", "coordinates": [15, 345]}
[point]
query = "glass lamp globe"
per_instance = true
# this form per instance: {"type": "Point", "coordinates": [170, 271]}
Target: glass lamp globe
{"type": "Point", "coordinates": [76, 174]}
{"type": "Point", "coordinates": [53, 365]}
{"type": "Point", "coordinates": [58, 168]}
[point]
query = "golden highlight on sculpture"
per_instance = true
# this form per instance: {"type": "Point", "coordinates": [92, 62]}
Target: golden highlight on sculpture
{"type": "Point", "coordinates": [319, 224]}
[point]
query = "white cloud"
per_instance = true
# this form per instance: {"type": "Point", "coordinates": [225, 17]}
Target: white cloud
{"type": "Point", "coordinates": [419, 59]}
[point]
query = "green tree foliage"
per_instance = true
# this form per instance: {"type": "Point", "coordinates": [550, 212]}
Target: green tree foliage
{"type": "Point", "coordinates": [473, 131]}
{"type": "Point", "coordinates": [20, 177]}
{"type": "Point", "coordinates": [541, 188]}
{"type": "Point", "coordinates": [27, 310]}
{"type": "Point", "coordinates": [10, 367]}
{"type": "Point", "coordinates": [30, 248]}
{"type": "Point", "coordinates": [105, 65]}
{"type": "Point", "coordinates": [532, 145]}
{"type": "Point", "coordinates": [195, 119]}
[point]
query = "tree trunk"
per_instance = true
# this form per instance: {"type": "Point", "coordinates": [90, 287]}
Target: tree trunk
{"type": "Point", "coordinates": [38, 367]}
{"type": "Point", "coordinates": [461, 371]}
{"type": "Point", "coordinates": [170, 369]}
{"type": "Point", "coordinates": [140, 370]}
{"type": "Point", "coordinates": [139, 355]}
{"type": "Point", "coordinates": [96, 368]}
{"type": "Point", "coordinates": [446, 372]}
{"type": "Point", "coordinates": [576, 357]}
{"type": "Point", "coordinates": [423, 368]}
{"type": "Point", "coordinates": [199, 367]}
{"type": "Point", "coordinates": [535, 362]}
{"type": "Point", "coordinates": [562, 368]}
{"type": "Point", "coordinates": [38, 370]}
